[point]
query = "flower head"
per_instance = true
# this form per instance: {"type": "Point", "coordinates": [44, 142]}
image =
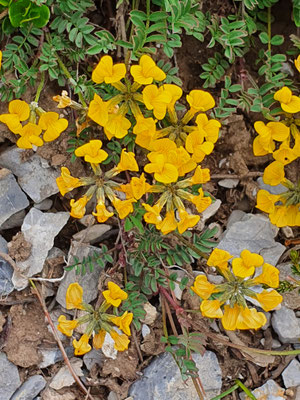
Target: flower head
{"type": "Point", "coordinates": [123, 207]}
{"type": "Point", "coordinates": [18, 110]}
{"type": "Point", "coordinates": [114, 295]}
{"type": "Point", "coordinates": [74, 296]}
{"type": "Point", "coordinates": [269, 276]}
{"type": "Point", "coordinates": [186, 220]}
{"type": "Point", "coordinates": [108, 72]}
{"type": "Point", "coordinates": [168, 224]}
{"type": "Point", "coordinates": [269, 299]}
{"type": "Point", "coordinates": [29, 136]}
{"type": "Point", "coordinates": [164, 171]}
{"type": "Point", "coordinates": [274, 173]}
{"type": "Point", "coordinates": [127, 162]}
{"type": "Point", "coordinates": [152, 215]}
{"type": "Point", "coordinates": [121, 341]}
{"type": "Point", "coordinates": [92, 152]}
{"type": "Point", "coordinates": [246, 264]}
{"type": "Point", "coordinates": [63, 100]}
{"type": "Point", "coordinates": [66, 182]}
{"type": "Point", "coordinates": [66, 326]}
{"type": "Point", "coordinates": [199, 100]}
{"type": "Point", "coordinates": [123, 322]}
{"type": "Point", "coordinates": [52, 125]}
{"type": "Point", "coordinates": [98, 110]}
{"type": "Point", "coordinates": [78, 207]}
{"type": "Point", "coordinates": [289, 103]}
{"type": "Point", "coordinates": [146, 71]}
{"type": "Point", "coordinates": [102, 213]}
{"type": "Point", "coordinates": [219, 258]}
{"type": "Point", "coordinates": [82, 346]}
{"type": "Point", "coordinates": [157, 99]}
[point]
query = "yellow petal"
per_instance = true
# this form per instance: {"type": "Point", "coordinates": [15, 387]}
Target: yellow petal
{"type": "Point", "coordinates": [98, 110]}
{"type": "Point", "coordinates": [20, 108]}
{"type": "Point", "coordinates": [203, 288]}
{"type": "Point", "coordinates": [211, 309]}
{"type": "Point", "coordinates": [81, 346]}
{"type": "Point", "coordinates": [230, 317]}
{"type": "Point", "coordinates": [269, 276]}
{"type": "Point", "coordinates": [199, 100]}
{"type": "Point", "coordinates": [283, 95]}
{"type": "Point", "coordinates": [74, 296]}
{"type": "Point", "coordinates": [274, 173]}
{"type": "Point", "coordinates": [266, 201]}
{"type": "Point", "coordinates": [99, 338]}
{"type": "Point", "coordinates": [269, 299]}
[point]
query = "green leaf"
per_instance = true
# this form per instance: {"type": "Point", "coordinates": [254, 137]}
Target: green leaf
{"type": "Point", "coordinates": [128, 225]}
{"type": "Point", "coordinates": [264, 38]}
{"type": "Point", "coordinates": [277, 40]}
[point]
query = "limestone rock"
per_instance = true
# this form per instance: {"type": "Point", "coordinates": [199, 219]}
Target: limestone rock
{"type": "Point", "coordinates": [30, 388]}
{"type": "Point", "coordinates": [35, 176]}
{"type": "Point", "coordinates": [286, 325]}
{"type": "Point", "coordinates": [9, 378]}
{"type": "Point", "coordinates": [39, 229]}
{"type": "Point", "coordinates": [291, 374]}
{"type": "Point", "coordinates": [64, 378]}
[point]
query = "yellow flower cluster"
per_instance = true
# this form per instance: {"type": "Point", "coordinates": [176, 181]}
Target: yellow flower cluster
{"type": "Point", "coordinates": [49, 123]}
{"type": "Point", "coordinates": [99, 322]}
{"type": "Point", "coordinates": [282, 140]}
{"type": "Point", "coordinates": [174, 148]}
{"type": "Point", "coordinates": [227, 301]}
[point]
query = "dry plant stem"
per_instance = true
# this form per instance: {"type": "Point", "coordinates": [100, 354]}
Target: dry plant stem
{"type": "Point", "coordinates": [4, 13]}
{"type": "Point", "coordinates": [174, 330]}
{"type": "Point", "coordinates": [253, 174]}
{"type": "Point", "coordinates": [137, 344]}
{"type": "Point", "coordinates": [60, 345]}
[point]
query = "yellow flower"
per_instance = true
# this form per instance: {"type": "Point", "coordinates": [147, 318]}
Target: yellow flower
{"type": "Point", "coordinates": [98, 110]}
{"type": "Point", "coordinates": [114, 295]}
{"type": "Point", "coordinates": [289, 103]}
{"type": "Point", "coordinates": [250, 318]}
{"type": "Point", "coordinates": [219, 258]}
{"type": "Point", "coordinates": [136, 188]}
{"type": "Point", "coordinates": [199, 100]}
{"type": "Point", "coordinates": [194, 145]}
{"type": "Point", "coordinates": [269, 299]}
{"type": "Point", "coordinates": [230, 317]}
{"type": "Point", "coordinates": [274, 173]}
{"type": "Point", "coordinates": [163, 171]}
{"type": "Point", "coordinates": [66, 326]}
{"type": "Point", "coordinates": [1, 59]}
{"type": "Point", "coordinates": [101, 212]}
{"type": "Point", "coordinates": [78, 207]}
{"type": "Point", "coordinates": [123, 207]}
{"type": "Point", "coordinates": [245, 265]}
{"type": "Point", "coordinates": [176, 93]}
{"type": "Point", "coordinates": [116, 126]}
{"type": "Point", "coordinates": [121, 341]}
{"type": "Point", "coordinates": [186, 220]}
{"type": "Point", "coordinates": [66, 183]}
{"type": "Point", "coordinates": [269, 276]}
{"type": "Point", "coordinates": [52, 125]}
{"type": "Point", "coordinates": [285, 154]}
{"type": "Point", "coordinates": [152, 215]}
{"type": "Point", "coordinates": [168, 224]}
{"type": "Point", "coordinates": [200, 201]}
{"type": "Point", "coordinates": [106, 72]}
{"type": "Point", "coordinates": [81, 346]}
{"type": "Point", "coordinates": [29, 136]}
{"type": "Point", "coordinates": [156, 99]}
{"type": "Point", "coordinates": [297, 63]}
{"type": "Point", "coordinates": [211, 309]}
{"type": "Point", "coordinates": [123, 322]}
{"type": "Point", "coordinates": [74, 296]}
{"type": "Point", "coordinates": [99, 338]}
{"type": "Point", "coordinates": [200, 176]}
{"type": "Point", "coordinates": [18, 111]}
{"type": "Point", "coordinates": [279, 216]}
{"type": "Point", "coordinates": [127, 162]}
{"type": "Point", "coordinates": [203, 288]}
{"type": "Point", "coordinates": [264, 143]}
{"type": "Point", "coordinates": [266, 201]}
{"type": "Point", "coordinates": [210, 127]}
{"type": "Point", "coordinates": [181, 159]}
{"type": "Point", "coordinates": [147, 71]}
{"type": "Point", "coordinates": [92, 152]}
{"type": "Point", "coordinates": [145, 131]}
{"type": "Point", "coordinates": [63, 100]}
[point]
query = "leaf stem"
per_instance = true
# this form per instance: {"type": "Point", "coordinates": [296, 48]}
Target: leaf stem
{"type": "Point", "coordinates": [40, 87]}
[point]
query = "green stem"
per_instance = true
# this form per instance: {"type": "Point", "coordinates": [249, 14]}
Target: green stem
{"type": "Point", "coordinates": [69, 76]}
{"type": "Point", "coordinates": [191, 246]}
{"type": "Point", "coordinates": [228, 391]}
{"type": "Point", "coordinates": [245, 389]}
{"type": "Point", "coordinates": [40, 87]}
{"type": "Point", "coordinates": [148, 13]}
{"type": "Point", "coordinates": [269, 30]}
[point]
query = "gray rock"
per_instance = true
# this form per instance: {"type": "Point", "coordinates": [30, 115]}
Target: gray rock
{"type": "Point", "coordinates": [92, 358]}
{"type": "Point", "coordinates": [6, 273]}
{"type": "Point", "coordinates": [254, 233]}
{"type": "Point", "coordinates": [52, 356]}
{"type": "Point", "coordinates": [291, 374]}
{"type": "Point", "coordinates": [89, 282]}
{"type": "Point", "coordinates": [113, 396]}
{"type": "Point", "coordinates": [15, 221]}
{"type": "Point", "coordinates": [35, 176]}
{"type": "Point", "coordinates": [228, 183]}
{"type": "Point", "coordinates": [39, 229]}
{"type": "Point", "coordinates": [44, 205]}
{"type": "Point", "coordinates": [286, 325]}
{"type": "Point", "coordinates": [9, 378]}
{"type": "Point", "coordinates": [3, 245]}
{"type": "Point", "coordinates": [64, 378]}
{"type": "Point", "coordinates": [12, 198]}
{"type": "Point", "coordinates": [278, 189]}
{"type": "Point", "coordinates": [145, 330]}
{"type": "Point", "coordinates": [92, 234]}
{"type": "Point", "coordinates": [162, 379]}
{"type": "Point", "coordinates": [297, 397]}
{"type": "Point", "coordinates": [235, 216]}
{"type": "Point", "coordinates": [30, 388]}
{"type": "Point", "coordinates": [269, 391]}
